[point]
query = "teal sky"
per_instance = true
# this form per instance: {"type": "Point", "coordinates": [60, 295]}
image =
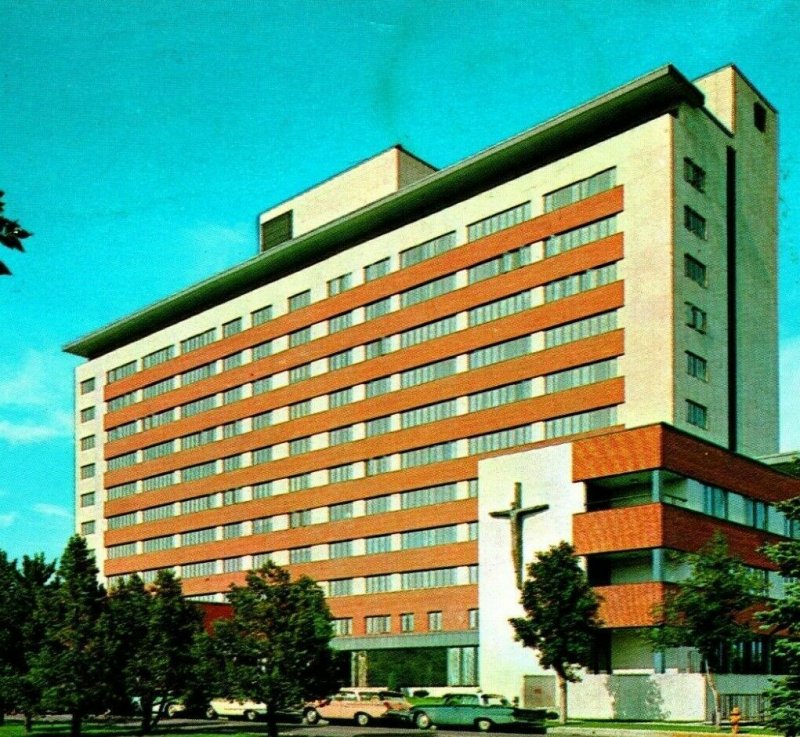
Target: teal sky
{"type": "Point", "coordinates": [140, 140]}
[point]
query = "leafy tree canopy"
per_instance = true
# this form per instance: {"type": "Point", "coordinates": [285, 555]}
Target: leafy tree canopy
{"type": "Point", "coordinates": [11, 235]}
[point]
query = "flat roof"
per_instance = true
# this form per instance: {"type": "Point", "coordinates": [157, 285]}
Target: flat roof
{"type": "Point", "coordinates": [616, 111]}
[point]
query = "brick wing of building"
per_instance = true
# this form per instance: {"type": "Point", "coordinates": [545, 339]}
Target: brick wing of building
{"type": "Point", "coordinates": [582, 318]}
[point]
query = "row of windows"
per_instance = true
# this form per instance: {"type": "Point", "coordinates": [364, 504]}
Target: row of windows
{"type": "Point", "coordinates": [407, 581]}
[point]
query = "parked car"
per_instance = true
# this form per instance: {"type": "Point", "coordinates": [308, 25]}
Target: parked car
{"type": "Point", "coordinates": [359, 705]}
{"type": "Point", "coordinates": [234, 709]}
{"type": "Point", "coordinates": [173, 707]}
{"type": "Point", "coordinates": [482, 711]}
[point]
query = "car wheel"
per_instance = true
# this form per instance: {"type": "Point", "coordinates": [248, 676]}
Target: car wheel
{"type": "Point", "coordinates": [172, 711]}
{"type": "Point", "coordinates": [362, 719]}
{"type": "Point", "coordinates": [484, 725]}
{"type": "Point", "coordinates": [422, 720]}
{"type": "Point", "coordinates": [312, 716]}
{"type": "Point", "coordinates": [210, 713]}
{"type": "Point", "coordinates": [250, 715]}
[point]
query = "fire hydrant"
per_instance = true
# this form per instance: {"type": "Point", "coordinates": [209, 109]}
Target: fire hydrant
{"type": "Point", "coordinates": [736, 717]}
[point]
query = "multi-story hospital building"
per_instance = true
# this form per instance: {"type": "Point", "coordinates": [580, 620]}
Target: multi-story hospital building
{"type": "Point", "coordinates": [582, 317]}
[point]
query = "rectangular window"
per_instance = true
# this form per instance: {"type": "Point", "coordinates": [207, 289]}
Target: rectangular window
{"type": "Point", "coordinates": [578, 283]}
{"type": "Point", "coordinates": [340, 360]}
{"type": "Point", "coordinates": [696, 366]}
{"type": "Point", "coordinates": [695, 270]}
{"type": "Point", "coordinates": [694, 174]}
{"type": "Point", "coordinates": [198, 537]}
{"type": "Point", "coordinates": [203, 404]}
{"type": "Point", "coordinates": [715, 501]}
{"type": "Point", "coordinates": [200, 471]}
{"type": "Point", "coordinates": [231, 463]}
{"type": "Point", "coordinates": [232, 530]}
{"type": "Point", "coordinates": [428, 496]}
{"type": "Point", "coordinates": [340, 435]}
{"type": "Point", "coordinates": [162, 481]}
{"type": "Point", "coordinates": [232, 496]}
{"type": "Point", "coordinates": [299, 300]}
{"type": "Point", "coordinates": [122, 520]}
{"type": "Point", "coordinates": [581, 422]}
{"type": "Point", "coordinates": [87, 386]}
{"type": "Point", "coordinates": [121, 431]}
{"type": "Point", "coordinates": [262, 455]}
{"type": "Point", "coordinates": [378, 426]}
{"type": "Point", "coordinates": [233, 361]}
{"type": "Point", "coordinates": [300, 482]}
{"type": "Point", "coordinates": [428, 538]}
{"type": "Point", "coordinates": [376, 387]}
{"type": "Point", "coordinates": [164, 511]}
{"type": "Point", "coordinates": [299, 337]}
{"type": "Point", "coordinates": [434, 621]}
{"type": "Point", "coordinates": [340, 322]}
{"type": "Point", "coordinates": [430, 579]}
{"type": "Point", "coordinates": [262, 490]}
{"type": "Point", "coordinates": [87, 528]}
{"type": "Point", "coordinates": [87, 471]}
{"type": "Point", "coordinates": [260, 316]}
{"type": "Point", "coordinates": [262, 525]}
{"type": "Point", "coordinates": [756, 513]}
{"type": "Point", "coordinates": [407, 622]}
{"type": "Point", "coordinates": [378, 544]}
{"type": "Point", "coordinates": [158, 357]}
{"type": "Point", "coordinates": [277, 230]}
{"type": "Point", "coordinates": [429, 249]}
{"type": "Point", "coordinates": [300, 409]}
{"type": "Point", "coordinates": [378, 625]}
{"type": "Point", "coordinates": [377, 505]}
{"type": "Point", "coordinates": [198, 504]}
{"type": "Point", "coordinates": [499, 221]}
{"type": "Point", "coordinates": [87, 443]}
{"type": "Point", "coordinates": [500, 352]}
{"type": "Point", "coordinates": [232, 327]}
{"type": "Point", "coordinates": [378, 309]}
{"type": "Point", "coordinates": [120, 372]}
{"type": "Point", "coordinates": [341, 549]}
{"type": "Point", "coordinates": [262, 350]}
{"type": "Point", "coordinates": [500, 395]}
{"type": "Point", "coordinates": [198, 341]}
{"type": "Point", "coordinates": [429, 372]}
{"type": "Point", "coordinates": [300, 373]}
{"type": "Point", "coordinates": [585, 328]}
{"type": "Point", "coordinates": [694, 222]}
{"type": "Point", "coordinates": [339, 474]}
{"type": "Point", "coordinates": [232, 429]}
{"type": "Point", "coordinates": [500, 439]}
{"type": "Point", "coordinates": [566, 241]}
{"type": "Point", "coordinates": [339, 284]}
{"type": "Point", "coordinates": [696, 318]}
{"type": "Point", "coordinates": [262, 385]}
{"type": "Point", "coordinates": [375, 466]}
{"type": "Point", "coordinates": [121, 491]}
{"type": "Point", "coordinates": [340, 398]}
{"type": "Point", "coordinates": [123, 400]}
{"type": "Point", "coordinates": [124, 461]}
{"type": "Point", "coordinates": [429, 331]}
{"type": "Point", "coordinates": [759, 116]}
{"type": "Point", "coordinates": [340, 587]}
{"type": "Point", "coordinates": [430, 454]}
{"type": "Point", "coordinates": [87, 500]}
{"type": "Point", "coordinates": [160, 387]}
{"type": "Point", "coordinates": [122, 551]}
{"type": "Point", "coordinates": [229, 396]}
{"type": "Point", "coordinates": [696, 414]}
{"type": "Point", "coordinates": [341, 511]}
{"type": "Point", "coordinates": [499, 308]}
{"type": "Point", "coordinates": [376, 270]}
{"type": "Point", "coordinates": [87, 414]}
{"type": "Point", "coordinates": [472, 619]}
{"type": "Point", "coordinates": [378, 584]}
{"type": "Point", "coordinates": [300, 555]}
{"type": "Point", "coordinates": [377, 348]}
{"type": "Point", "coordinates": [158, 419]}
{"type": "Point", "coordinates": [299, 446]}
{"type": "Point", "coordinates": [231, 565]}
{"type": "Point", "coordinates": [431, 413]}
{"type": "Point", "coordinates": [158, 451]}
{"type": "Point", "coordinates": [342, 626]}
{"type": "Point", "coordinates": [427, 291]}
{"type": "Point", "coordinates": [196, 570]}
{"type": "Point", "coordinates": [198, 374]}
{"type": "Point", "coordinates": [580, 190]}
{"type": "Point", "coordinates": [590, 373]}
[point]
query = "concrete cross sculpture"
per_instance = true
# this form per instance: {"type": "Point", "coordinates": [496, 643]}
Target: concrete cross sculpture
{"type": "Point", "coordinates": [517, 515]}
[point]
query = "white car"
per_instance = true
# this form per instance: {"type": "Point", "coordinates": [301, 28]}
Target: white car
{"type": "Point", "coordinates": [231, 708]}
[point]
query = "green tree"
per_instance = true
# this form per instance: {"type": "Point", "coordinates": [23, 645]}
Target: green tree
{"type": "Point", "coordinates": [561, 621]}
{"type": "Point", "coordinates": [72, 666]}
{"type": "Point", "coordinates": [707, 610]}
{"type": "Point", "coordinates": [150, 632]}
{"type": "Point", "coordinates": [11, 235]}
{"type": "Point", "coordinates": [276, 648]}
{"type": "Point", "coordinates": [27, 590]}
{"type": "Point", "coordinates": [784, 616]}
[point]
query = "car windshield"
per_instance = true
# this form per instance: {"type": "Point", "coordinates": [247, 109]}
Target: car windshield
{"type": "Point", "coordinates": [491, 699]}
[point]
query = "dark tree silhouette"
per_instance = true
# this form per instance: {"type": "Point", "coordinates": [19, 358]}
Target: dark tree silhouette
{"type": "Point", "coordinates": [11, 235]}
